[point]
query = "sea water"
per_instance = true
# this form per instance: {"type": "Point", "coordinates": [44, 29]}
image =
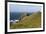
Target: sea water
{"type": "Point", "coordinates": [16, 15]}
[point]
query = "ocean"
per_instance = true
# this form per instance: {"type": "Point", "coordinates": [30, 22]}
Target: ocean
{"type": "Point", "coordinates": [15, 15]}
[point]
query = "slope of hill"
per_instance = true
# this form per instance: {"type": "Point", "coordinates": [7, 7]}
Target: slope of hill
{"type": "Point", "coordinates": [32, 21]}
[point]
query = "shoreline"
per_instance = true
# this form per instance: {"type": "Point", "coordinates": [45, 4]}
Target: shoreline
{"type": "Point", "coordinates": [13, 21]}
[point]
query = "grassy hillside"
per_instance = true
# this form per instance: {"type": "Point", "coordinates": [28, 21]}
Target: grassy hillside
{"type": "Point", "coordinates": [32, 21]}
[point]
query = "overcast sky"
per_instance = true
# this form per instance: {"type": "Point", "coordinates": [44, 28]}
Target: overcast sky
{"type": "Point", "coordinates": [24, 8]}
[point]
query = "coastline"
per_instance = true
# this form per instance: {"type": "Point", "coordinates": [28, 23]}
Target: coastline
{"type": "Point", "coordinates": [13, 21]}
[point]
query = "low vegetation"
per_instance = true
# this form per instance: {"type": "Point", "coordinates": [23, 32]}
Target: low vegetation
{"type": "Point", "coordinates": [32, 21]}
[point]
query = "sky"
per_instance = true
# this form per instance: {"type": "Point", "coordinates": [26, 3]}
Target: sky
{"type": "Point", "coordinates": [24, 8]}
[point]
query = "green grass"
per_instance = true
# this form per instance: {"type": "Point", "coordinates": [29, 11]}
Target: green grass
{"type": "Point", "coordinates": [33, 21]}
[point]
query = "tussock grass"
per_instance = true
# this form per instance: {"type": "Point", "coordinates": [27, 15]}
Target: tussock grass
{"type": "Point", "coordinates": [32, 21]}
